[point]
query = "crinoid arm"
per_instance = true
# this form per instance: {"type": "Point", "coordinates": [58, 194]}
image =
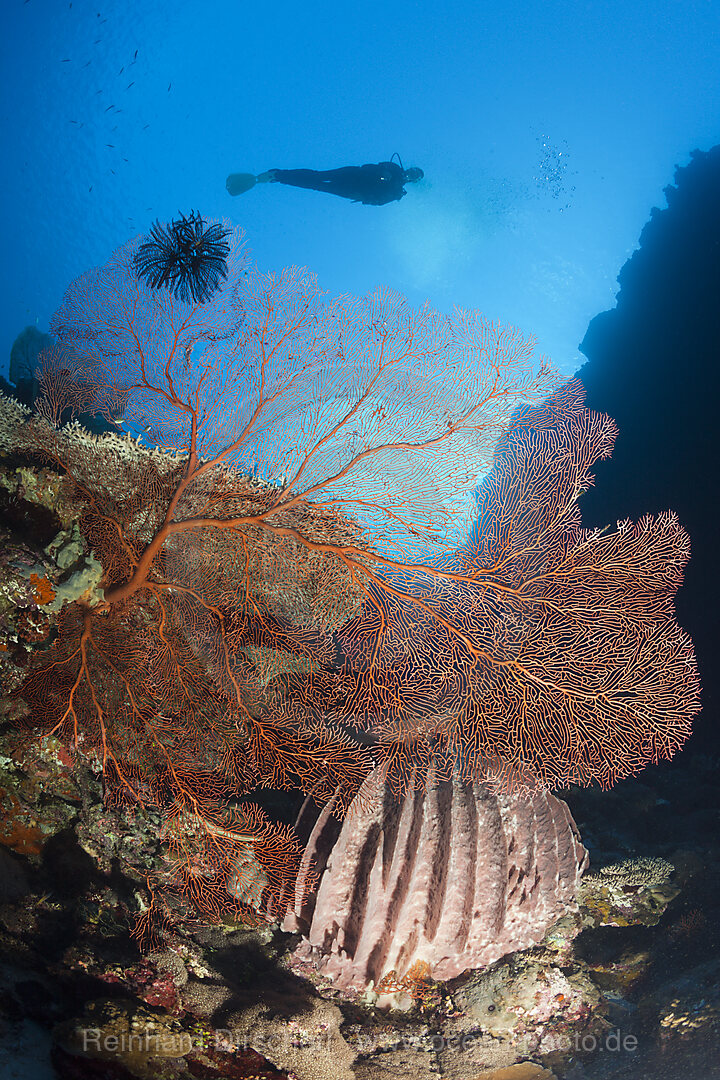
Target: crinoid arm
{"type": "Point", "coordinates": [185, 256]}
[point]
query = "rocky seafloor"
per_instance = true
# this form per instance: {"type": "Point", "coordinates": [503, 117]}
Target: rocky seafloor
{"type": "Point", "coordinates": [624, 987]}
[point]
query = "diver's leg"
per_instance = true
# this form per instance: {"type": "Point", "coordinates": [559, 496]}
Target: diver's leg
{"type": "Point", "coordinates": [303, 178]}
{"type": "Point", "coordinates": [343, 182]}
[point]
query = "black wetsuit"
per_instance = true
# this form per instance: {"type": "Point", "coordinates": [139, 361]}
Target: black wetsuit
{"type": "Point", "coordinates": [373, 185]}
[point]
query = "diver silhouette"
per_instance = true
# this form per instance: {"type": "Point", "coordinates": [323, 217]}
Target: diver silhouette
{"type": "Point", "coordinates": [373, 185]}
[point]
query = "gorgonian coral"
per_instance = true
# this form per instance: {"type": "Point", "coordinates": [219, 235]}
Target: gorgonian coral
{"type": "Point", "coordinates": [293, 589]}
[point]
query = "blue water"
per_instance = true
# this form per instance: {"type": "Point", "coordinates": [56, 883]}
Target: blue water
{"type": "Point", "coordinates": [546, 131]}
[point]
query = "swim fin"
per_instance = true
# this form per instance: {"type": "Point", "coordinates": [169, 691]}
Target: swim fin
{"type": "Point", "coordinates": [240, 182]}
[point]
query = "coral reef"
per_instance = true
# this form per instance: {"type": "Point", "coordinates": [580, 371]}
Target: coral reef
{"type": "Point", "coordinates": [64, 943]}
{"type": "Point", "coordinates": [630, 891]}
{"type": "Point", "coordinates": [296, 590]}
{"type": "Point", "coordinates": [206, 663]}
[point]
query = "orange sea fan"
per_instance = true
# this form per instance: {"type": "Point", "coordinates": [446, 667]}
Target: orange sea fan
{"type": "Point", "coordinates": [294, 589]}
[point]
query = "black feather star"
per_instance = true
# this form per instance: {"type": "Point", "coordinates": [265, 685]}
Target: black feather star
{"type": "Point", "coordinates": [184, 256]}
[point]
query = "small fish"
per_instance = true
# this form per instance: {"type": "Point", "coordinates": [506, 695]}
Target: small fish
{"type": "Point", "coordinates": [169, 85]}
{"type": "Point", "coordinates": [72, 121]}
{"type": "Point", "coordinates": [111, 145]}
{"type": "Point", "coordinates": [112, 171]}
{"type": "Point", "coordinates": [98, 92]}
{"type": "Point", "coordinates": [88, 64]}
{"type": "Point", "coordinates": [90, 188]}
{"type": "Point", "coordinates": [68, 61]}
{"type": "Point", "coordinates": [98, 41]}
{"type": "Point", "coordinates": [126, 159]}
{"type": "Point", "coordinates": [145, 127]}
{"type": "Point", "coordinates": [130, 84]}
{"type": "Point", "coordinates": [121, 70]}
{"type": "Point", "coordinates": [109, 108]}
{"type": "Point", "coordinates": [135, 56]}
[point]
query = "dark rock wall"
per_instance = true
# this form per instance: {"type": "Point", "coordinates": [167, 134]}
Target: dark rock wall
{"type": "Point", "coordinates": [653, 364]}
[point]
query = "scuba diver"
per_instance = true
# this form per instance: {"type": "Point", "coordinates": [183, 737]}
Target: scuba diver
{"type": "Point", "coordinates": [372, 185]}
